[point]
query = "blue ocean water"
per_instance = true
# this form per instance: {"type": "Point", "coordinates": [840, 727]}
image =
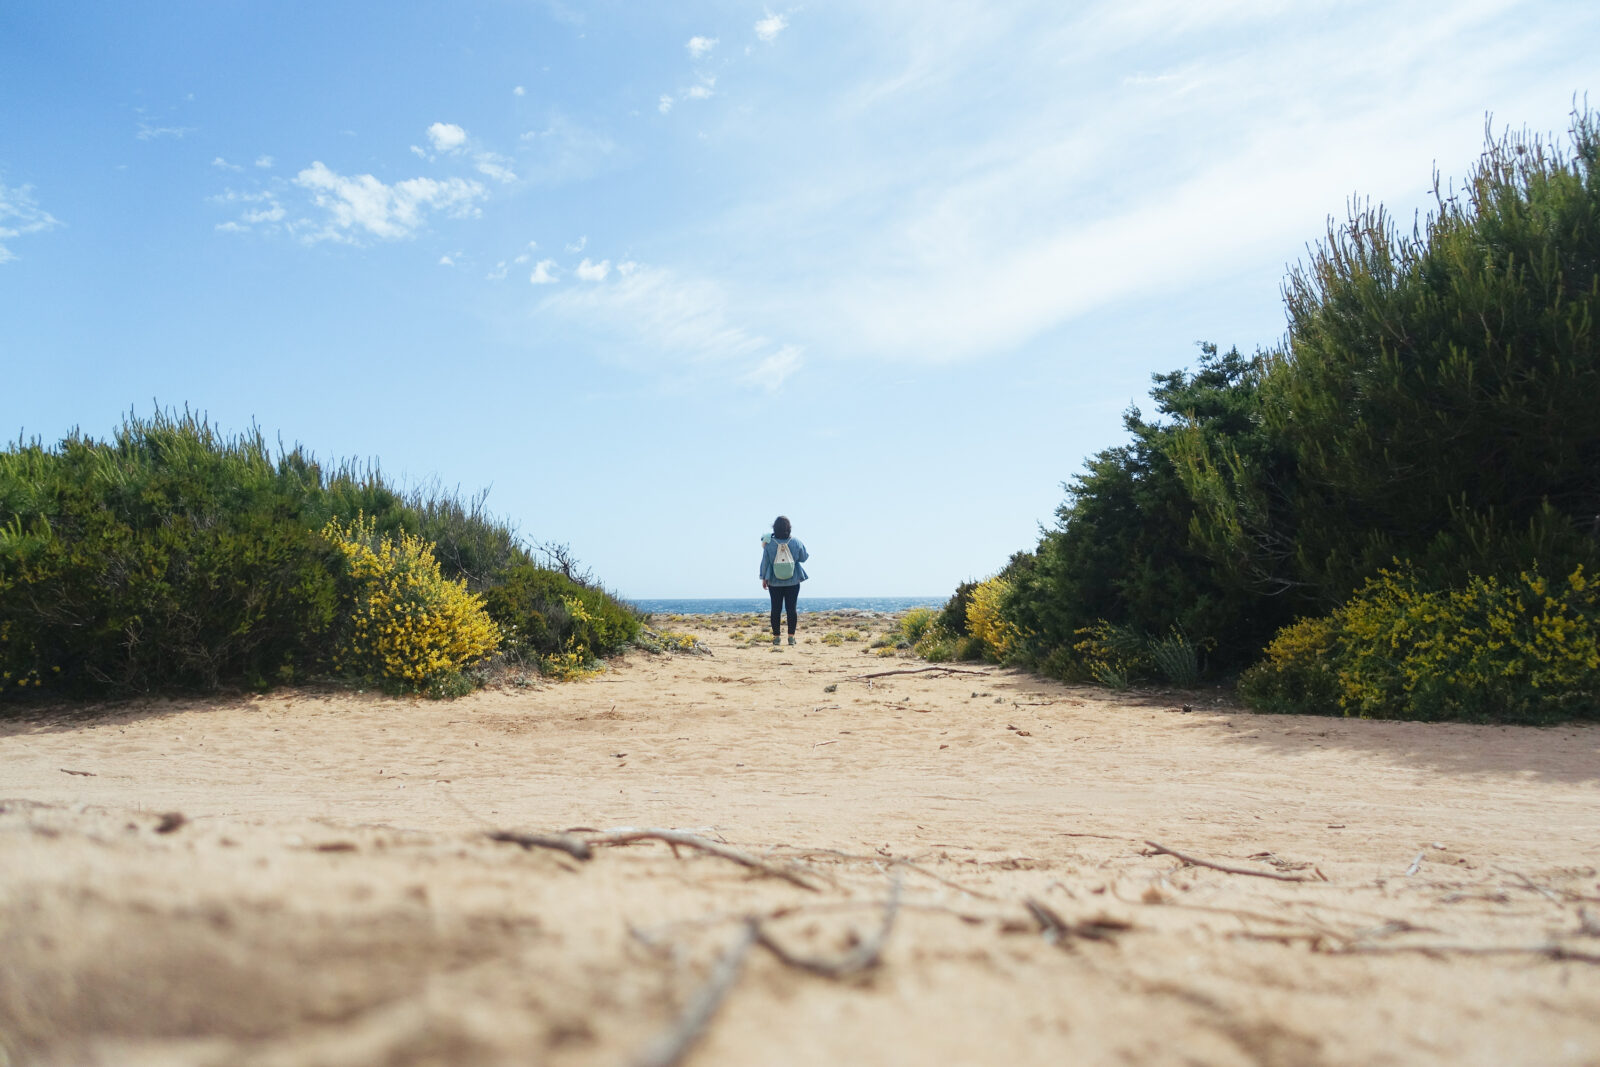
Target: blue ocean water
{"type": "Point", "coordinates": [714, 605]}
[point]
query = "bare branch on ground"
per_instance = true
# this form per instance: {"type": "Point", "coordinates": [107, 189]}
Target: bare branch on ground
{"type": "Point", "coordinates": [1194, 862]}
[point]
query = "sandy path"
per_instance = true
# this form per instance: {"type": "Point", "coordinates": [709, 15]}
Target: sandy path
{"type": "Point", "coordinates": [332, 900]}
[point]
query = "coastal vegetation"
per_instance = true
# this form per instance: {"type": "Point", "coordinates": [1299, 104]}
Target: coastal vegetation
{"type": "Point", "coordinates": [173, 557]}
{"type": "Point", "coordinates": [1394, 513]}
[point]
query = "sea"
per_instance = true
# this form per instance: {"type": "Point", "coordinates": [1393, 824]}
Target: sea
{"type": "Point", "coordinates": [737, 605]}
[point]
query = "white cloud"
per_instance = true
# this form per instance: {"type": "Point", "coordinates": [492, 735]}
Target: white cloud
{"type": "Point", "coordinates": [264, 162]}
{"type": "Point", "coordinates": [594, 272]}
{"type": "Point", "coordinates": [769, 28]}
{"type": "Point", "coordinates": [223, 164]}
{"type": "Point", "coordinates": [542, 272]}
{"type": "Point", "coordinates": [627, 267]}
{"type": "Point", "coordinates": [697, 92]}
{"type": "Point", "coordinates": [664, 105]}
{"type": "Point", "coordinates": [579, 245]}
{"type": "Point", "coordinates": [446, 137]}
{"type": "Point", "coordinates": [519, 91]}
{"type": "Point", "coordinates": [700, 47]}
{"type": "Point", "coordinates": [20, 214]}
{"type": "Point", "coordinates": [495, 166]}
{"type": "Point", "coordinates": [273, 213]}
{"type": "Point", "coordinates": [363, 204]}
{"type": "Point", "coordinates": [446, 261]}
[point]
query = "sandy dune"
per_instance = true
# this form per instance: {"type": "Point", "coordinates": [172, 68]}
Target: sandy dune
{"type": "Point", "coordinates": [330, 896]}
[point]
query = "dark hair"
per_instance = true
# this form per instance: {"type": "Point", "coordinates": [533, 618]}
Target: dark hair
{"type": "Point", "coordinates": [780, 527]}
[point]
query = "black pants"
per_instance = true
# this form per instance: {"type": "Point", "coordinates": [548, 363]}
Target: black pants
{"type": "Point", "coordinates": [784, 598]}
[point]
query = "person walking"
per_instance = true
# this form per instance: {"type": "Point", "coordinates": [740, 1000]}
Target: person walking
{"type": "Point", "coordinates": [781, 573]}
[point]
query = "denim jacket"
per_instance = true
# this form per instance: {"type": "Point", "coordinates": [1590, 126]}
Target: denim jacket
{"type": "Point", "coordinates": [769, 548]}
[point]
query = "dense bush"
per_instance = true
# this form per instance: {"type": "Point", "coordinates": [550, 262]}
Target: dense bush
{"type": "Point", "coordinates": [545, 614]}
{"type": "Point", "coordinates": [172, 557]}
{"type": "Point", "coordinates": [1525, 650]}
{"type": "Point", "coordinates": [1433, 404]}
{"type": "Point", "coordinates": [1124, 552]}
{"type": "Point", "coordinates": [167, 557]}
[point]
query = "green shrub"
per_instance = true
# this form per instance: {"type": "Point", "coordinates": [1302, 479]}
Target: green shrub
{"type": "Point", "coordinates": [169, 557]}
{"type": "Point", "coordinates": [544, 613]}
{"type": "Point", "coordinates": [173, 557]}
{"type": "Point", "coordinates": [916, 622]}
{"type": "Point", "coordinates": [1522, 650]}
{"type": "Point", "coordinates": [953, 616]}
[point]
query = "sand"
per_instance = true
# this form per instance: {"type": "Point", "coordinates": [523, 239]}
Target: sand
{"type": "Point", "coordinates": [331, 897]}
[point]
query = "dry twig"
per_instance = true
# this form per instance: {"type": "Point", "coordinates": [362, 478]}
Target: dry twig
{"type": "Point", "coordinates": [670, 1048]}
{"type": "Point", "coordinates": [695, 841]}
{"type": "Point", "coordinates": [572, 846]}
{"type": "Point", "coordinates": [919, 670]}
{"type": "Point", "coordinates": [1194, 862]}
{"type": "Point", "coordinates": [863, 957]}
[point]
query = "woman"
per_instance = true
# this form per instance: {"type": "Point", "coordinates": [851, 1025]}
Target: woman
{"type": "Point", "coordinates": [781, 573]}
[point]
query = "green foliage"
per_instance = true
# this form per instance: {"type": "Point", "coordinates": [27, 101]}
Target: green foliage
{"type": "Point", "coordinates": [1124, 549]}
{"type": "Point", "coordinates": [916, 623]}
{"type": "Point", "coordinates": [168, 557]}
{"type": "Point", "coordinates": [173, 557]}
{"type": "Point", "coordinates": [953, 616]}
{"type": "Point", "coordinates": [1523, 650]}
{"type": "Point", "coordinates": [544, 614]}
{"type": "Point", "coordinates": [1435, 400]}
{"type": "Point", "coordinates": [1433, 404]}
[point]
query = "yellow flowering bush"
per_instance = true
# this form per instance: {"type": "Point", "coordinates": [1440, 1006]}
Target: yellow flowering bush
{"type": "Point", "coordinates": [1522, 650]}
{"type": "Point", "coordinates": [408, 625]}
{"type": "Point", "coordinates": [1000, 637]}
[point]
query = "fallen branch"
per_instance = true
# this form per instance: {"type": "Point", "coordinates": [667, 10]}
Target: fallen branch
{"type": "Point", "coordinates": [892, 862]}
{"type": "Point", "coordinates": [695, 841]}
{"type": "Point", "coordinates": [863, 957]}
{"type": "Point", "coordinates": [1552, 952]}
{"type": "Point", "coordinates": [1057, 931]}
{"type": "Point", "coordinates": [919, 670]}
{"type": "Point", "coordinates": [1195, 862]}
{"type": "Point", "coordinates": [572, 846]}
{"type": "Point", "coordinates": [80, 774]}
{"type": "Point", "coordinates": [670, 1048]}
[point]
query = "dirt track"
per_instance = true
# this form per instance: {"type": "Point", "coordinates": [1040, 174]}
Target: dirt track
{"type": "Point", "coordinates": [331, 897]}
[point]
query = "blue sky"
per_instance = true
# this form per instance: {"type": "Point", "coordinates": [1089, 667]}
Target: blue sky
{"type": "Point", "coordinates": [653, 273]}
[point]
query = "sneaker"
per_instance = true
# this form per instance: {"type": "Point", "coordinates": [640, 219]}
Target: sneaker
{"type": "Point", "coordinates": [791, 639]}
{"type": "Point", "coordinates": [774, 638]}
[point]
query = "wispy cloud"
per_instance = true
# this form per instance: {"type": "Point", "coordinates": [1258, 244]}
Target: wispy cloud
{"type": "Point", "coordinates": [773, 370]}
{"type": "Point", "coordinates": [495, 166]}
{"type": "Point", "coordinates": [519, 91]}
{"type": "Point", "coordinates": [664, 105]}
{"type": "Point", "coordinates": [223, 164]}
{"type": "Point", "coordinates": [20, 214]}
{"type": "Point", "coordinates": [700, 47]}
{"type": "Point", "coordinates": [264, 162]}
{"type": "Point", "coordinates": [363, 205]}
{"type": "Point", "coordinates": [1090, 157]}
{"type": "Point", "coordinates": [148, 132]}
{"type": "Point", "coordinates": [544, 273]}
{"type": "Point", "coordinates": [648, 314]}
{"type": "Point", "coordinates": [590, 271]}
